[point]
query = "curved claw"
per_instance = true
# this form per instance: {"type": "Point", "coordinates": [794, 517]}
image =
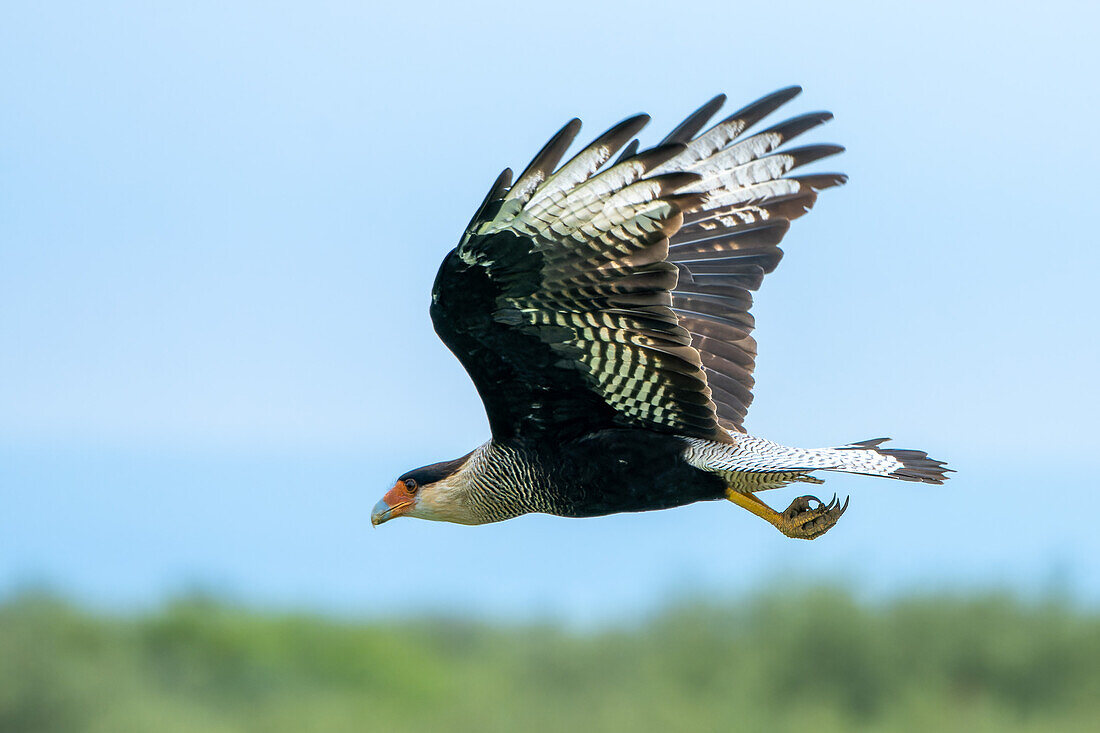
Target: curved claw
{"type": "Point", "coordinates": [804, 522]}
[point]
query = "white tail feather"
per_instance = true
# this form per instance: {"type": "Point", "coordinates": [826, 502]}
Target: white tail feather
{"type": "Point", "coordinates": [756, 455]}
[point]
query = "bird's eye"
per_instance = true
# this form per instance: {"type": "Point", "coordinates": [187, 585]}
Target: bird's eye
{"type": "Point", "coordinates": [410, 485]}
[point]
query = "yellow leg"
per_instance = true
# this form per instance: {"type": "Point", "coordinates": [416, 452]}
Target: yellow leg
{"type": "Point", "coordinates": [801, 520]}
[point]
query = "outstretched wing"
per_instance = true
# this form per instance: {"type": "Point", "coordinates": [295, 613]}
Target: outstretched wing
{"type": "Point", "coordinates": [593, 296]}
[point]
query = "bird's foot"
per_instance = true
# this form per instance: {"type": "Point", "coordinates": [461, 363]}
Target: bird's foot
{"type": "Point", "coordinates": [806, 518]}
{"type": "Point", "coordinates": [804, 521]}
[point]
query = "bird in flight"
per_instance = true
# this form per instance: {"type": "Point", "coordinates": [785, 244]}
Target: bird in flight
{"type": "Point", "coordinates": [601, 308]}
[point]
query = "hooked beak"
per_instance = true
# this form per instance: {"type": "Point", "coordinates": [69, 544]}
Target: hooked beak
{"type": "Point", "coordinates": [383, 512]}
{"type": "Point", "coordinates": [395, 503]}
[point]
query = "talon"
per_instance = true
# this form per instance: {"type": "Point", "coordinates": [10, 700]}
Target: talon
{"type": "Point", "coordinates": [801, 520]}
{"type": "Point", "coordinates": [807, 522]}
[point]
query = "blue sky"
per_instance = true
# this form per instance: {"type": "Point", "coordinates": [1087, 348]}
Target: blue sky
{"type": "Point", "coordinates": [219, 227]}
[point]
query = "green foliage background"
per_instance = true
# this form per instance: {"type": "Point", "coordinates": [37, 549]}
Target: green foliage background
{"type": "Point", "coordinates": [816, 660]}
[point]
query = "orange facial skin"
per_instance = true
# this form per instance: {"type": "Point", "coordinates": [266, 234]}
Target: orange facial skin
{"type": "Point", "coordinates": [397, 501]}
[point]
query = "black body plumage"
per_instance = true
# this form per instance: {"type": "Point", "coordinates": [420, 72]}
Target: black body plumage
{"type": "Point", "coordinates": [624, 471]}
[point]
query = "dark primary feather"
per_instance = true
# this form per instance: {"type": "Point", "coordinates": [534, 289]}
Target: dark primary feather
{"type": "Point", "coordinates": [599, 295]}
{"type": "Point", "coordinates": [687, 129]}
{"type": "Point", "coordinates": [543, 164]}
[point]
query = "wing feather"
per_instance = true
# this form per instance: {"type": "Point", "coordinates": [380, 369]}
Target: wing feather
{"type": "Point", "coordinates": [600, 294]}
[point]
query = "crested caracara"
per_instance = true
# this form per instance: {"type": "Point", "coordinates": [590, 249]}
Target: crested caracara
{"type": "Point", "coordinates": [601, 308]}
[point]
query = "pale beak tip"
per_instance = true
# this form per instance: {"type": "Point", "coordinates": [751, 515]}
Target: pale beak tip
{"type": "Point", "coordinates": [380, 513]}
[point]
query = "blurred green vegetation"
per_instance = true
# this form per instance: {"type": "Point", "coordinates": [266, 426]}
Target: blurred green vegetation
{"type": "Point", "coordinates": [815, 660]}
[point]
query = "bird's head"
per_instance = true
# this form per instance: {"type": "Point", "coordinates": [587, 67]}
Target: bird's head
{"type": "Point", "coordinates": [438, 492]}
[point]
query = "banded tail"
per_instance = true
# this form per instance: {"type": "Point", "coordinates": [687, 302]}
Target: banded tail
{"type": "Point", "coordinates": [906, 465]}
{"type": "Point", "coordinates": [782, 464]}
